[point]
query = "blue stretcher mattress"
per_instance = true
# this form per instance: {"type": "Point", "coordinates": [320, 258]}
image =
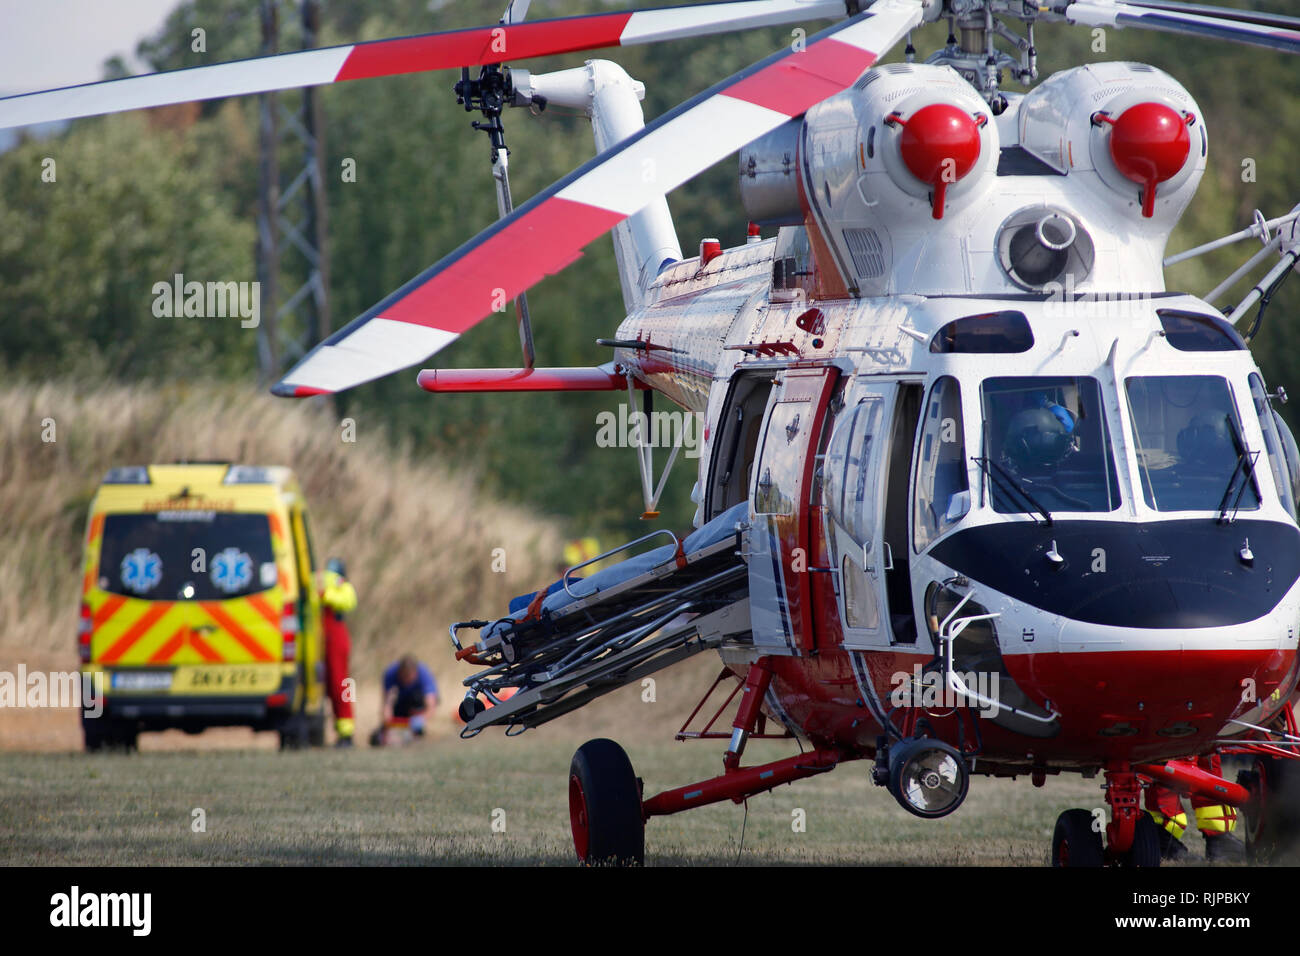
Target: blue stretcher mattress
{"type": "Point", "coordinates": [719, 529]}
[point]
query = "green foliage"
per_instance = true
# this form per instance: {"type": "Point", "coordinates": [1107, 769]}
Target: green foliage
{"type": "Point", "coordinates": [135, 204]}
{"type": "Point", "coordinates": [131, 204]}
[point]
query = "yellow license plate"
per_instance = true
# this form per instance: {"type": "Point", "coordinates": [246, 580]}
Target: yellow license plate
{"type": "Point", "coordinates": [227, 679]}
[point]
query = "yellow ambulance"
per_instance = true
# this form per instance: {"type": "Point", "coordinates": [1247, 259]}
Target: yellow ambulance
{"type": "Point", "coordinates": [197, 604]}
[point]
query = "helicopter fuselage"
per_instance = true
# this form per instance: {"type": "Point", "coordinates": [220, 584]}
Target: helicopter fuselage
{"type": "Point", "coordinates": [991, 464]}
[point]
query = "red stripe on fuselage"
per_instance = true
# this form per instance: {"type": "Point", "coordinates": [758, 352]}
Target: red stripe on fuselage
{"type": "Point", "coordinates": [539, 243]}
{"type": "Point", "coordinates": [1114, 705]}
{"type": "Point", "coordinates": [482, 45]}
{"type": "Point", "coordinates": [798, 82]}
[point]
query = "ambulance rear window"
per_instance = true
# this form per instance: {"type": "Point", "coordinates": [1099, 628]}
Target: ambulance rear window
{"type": "Point", "coordinates": [186, 555]}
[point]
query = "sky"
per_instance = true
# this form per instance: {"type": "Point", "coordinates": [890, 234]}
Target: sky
{"type": "Point", "coordinates": [50, 43]}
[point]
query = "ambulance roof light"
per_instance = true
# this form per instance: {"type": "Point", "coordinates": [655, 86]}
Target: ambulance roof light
{"type": "Point", "coordinates": [247, 475]}
{"type": "Point", "coordinates": [127, 475]}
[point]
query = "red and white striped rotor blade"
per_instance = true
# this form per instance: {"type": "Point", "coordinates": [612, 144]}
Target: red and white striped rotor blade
{"type": "Point", "coordinates": [432, 51]}
{"type": "Point", "coordinates": [1273, 33]}
{"type": "Point", "coordinates": [547, 233]}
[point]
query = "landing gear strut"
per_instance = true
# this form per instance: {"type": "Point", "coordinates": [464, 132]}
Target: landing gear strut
{"type": "Point", "coordinates": [1077, 841]}
{"type": "Point", "coordinates": [1132, 837]}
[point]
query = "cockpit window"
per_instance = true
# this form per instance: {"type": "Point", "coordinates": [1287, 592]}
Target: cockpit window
{"type": "Point", "coordinates": [1274, 444]}
{"type": "Point", "coordinates": [989, 333]}
{"type": "Point", "coordinates": [942, 488]}
{"type": "Point", "coordinates": [1047, 446]}
{"type": "Point", "coordinates": [1192, 332]}
{"type": "Point", "coordinates": [1190, 450]}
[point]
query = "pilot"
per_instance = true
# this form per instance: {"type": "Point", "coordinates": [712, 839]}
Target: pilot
{"type": "Point", "coordinates": [1206, 440]}
{"type": "Point", "coordinates": [1039, 437]}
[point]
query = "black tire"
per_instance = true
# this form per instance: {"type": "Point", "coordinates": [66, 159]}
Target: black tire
{"type": "Point", "coordinates": [105, 734]}
{"type": "Point", "coordinates": [128, 738]}
{"type": "Point", "coordinates": [294, 733]}
{"type": "Point", "coordinates": [605, 806]}
{"type": "Point", "coordinates": [1272, 817]}
{"type": "Point", "coordinates": [1075, 843]}
{"type": "Point", "coordinates": [316, 729]}
{"type": "Point", "coordinates": [1146, 848]}
{"type": "Point", "coordinates": [95, 734]}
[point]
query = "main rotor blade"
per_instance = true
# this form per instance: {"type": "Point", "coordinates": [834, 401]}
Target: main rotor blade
{"type": "Point", "coordinates": [416, 54]}
{"type": "Point", "coordinates": [1109, 13]}
{"type": "Point", "coordinates": [547, 233]}
{"type": "Point", "coordinates": [1260, 17]}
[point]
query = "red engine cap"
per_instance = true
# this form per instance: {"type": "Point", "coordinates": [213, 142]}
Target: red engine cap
{"type": "Point", "coordinates": [940, 144]}
{"type": "Point", "coordinates": [1149, 144]}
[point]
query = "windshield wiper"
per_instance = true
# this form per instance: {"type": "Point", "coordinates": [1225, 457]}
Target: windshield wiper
{"type": "Point", "coordinates": [1245, 459]}
{"type": "Point", "coordinates": [1007, 482]}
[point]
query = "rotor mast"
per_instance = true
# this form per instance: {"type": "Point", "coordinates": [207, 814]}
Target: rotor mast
{"type": "Point", "coordinates": [489, 95]}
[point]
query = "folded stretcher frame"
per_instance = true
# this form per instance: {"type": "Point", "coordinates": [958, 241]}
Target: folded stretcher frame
{"type": "Point", "coordinates": [600, 641]}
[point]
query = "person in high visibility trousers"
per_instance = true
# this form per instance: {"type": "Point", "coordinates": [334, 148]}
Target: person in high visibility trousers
{"type": "Point", "coordinates": [338, 597]}
{"type": "Point", "coordinates": [1215, 821]}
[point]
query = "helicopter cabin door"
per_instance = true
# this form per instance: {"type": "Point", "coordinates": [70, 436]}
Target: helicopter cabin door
{"type": "Point", "coordinates": [780, 551]}
{"type": "Point", "coordinates": [868, 463]}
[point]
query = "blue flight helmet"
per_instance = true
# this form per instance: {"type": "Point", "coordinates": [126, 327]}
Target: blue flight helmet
{"type": "Point", "coordinates": [1041, 436]}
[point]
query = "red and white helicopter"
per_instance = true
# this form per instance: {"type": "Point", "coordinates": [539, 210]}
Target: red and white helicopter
{"type": "Point", "coordinates": [977, 493]}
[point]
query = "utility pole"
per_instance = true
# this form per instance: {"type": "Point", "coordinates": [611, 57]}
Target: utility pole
{"type": "Point", "coordinates": [293, 250]}
{"type": "Point", "coordinates": [268, 193]}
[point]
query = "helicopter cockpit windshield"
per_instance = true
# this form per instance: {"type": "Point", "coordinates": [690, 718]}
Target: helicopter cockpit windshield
{"type": "Point", "coordinates": [1047, 446]}
{"type": "Point", "coordinates": [1190, 449]}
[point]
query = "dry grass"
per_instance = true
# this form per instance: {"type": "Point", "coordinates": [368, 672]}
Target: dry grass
{"type": "Point", "coordinates": [435, 804]}
{"type": "Point", "coordinates": [417, 536]}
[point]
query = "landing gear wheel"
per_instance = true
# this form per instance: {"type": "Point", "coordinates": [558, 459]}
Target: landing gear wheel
{"type": "Point", "coordinates": [1272, 817]}
{"type": "Point", "coordinates": [605, 806]}
{"type": "Point", "coordinates": [1146, 848]}
{"type": "Point", "coordinates": [1075, 842]}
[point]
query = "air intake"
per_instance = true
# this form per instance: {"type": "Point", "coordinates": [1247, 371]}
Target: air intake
{"type": "Point", "coordinates": [1040, 246]}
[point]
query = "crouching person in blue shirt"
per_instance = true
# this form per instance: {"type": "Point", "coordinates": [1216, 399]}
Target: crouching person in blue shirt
{"type": "Point", "coordinates": [410, 695]}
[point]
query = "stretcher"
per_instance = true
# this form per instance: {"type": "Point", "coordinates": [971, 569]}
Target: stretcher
{"type": "Point", "coordinates": [586, 636]}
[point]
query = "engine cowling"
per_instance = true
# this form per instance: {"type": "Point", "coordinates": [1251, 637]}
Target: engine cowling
{"type": "Point", "coordinates": [908, 183]}
{"type": "Point", "coordinates": [1132, 131]}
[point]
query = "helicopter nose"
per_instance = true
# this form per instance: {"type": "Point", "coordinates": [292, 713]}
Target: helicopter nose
{"type": "Point", "coordinates": [1169, 576]}
{"type": "Point", "coordinates": [1147, 697]}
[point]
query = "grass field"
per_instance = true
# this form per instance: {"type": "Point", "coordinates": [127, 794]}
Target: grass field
{"type": "Point", "coordinates": [436, 803]}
